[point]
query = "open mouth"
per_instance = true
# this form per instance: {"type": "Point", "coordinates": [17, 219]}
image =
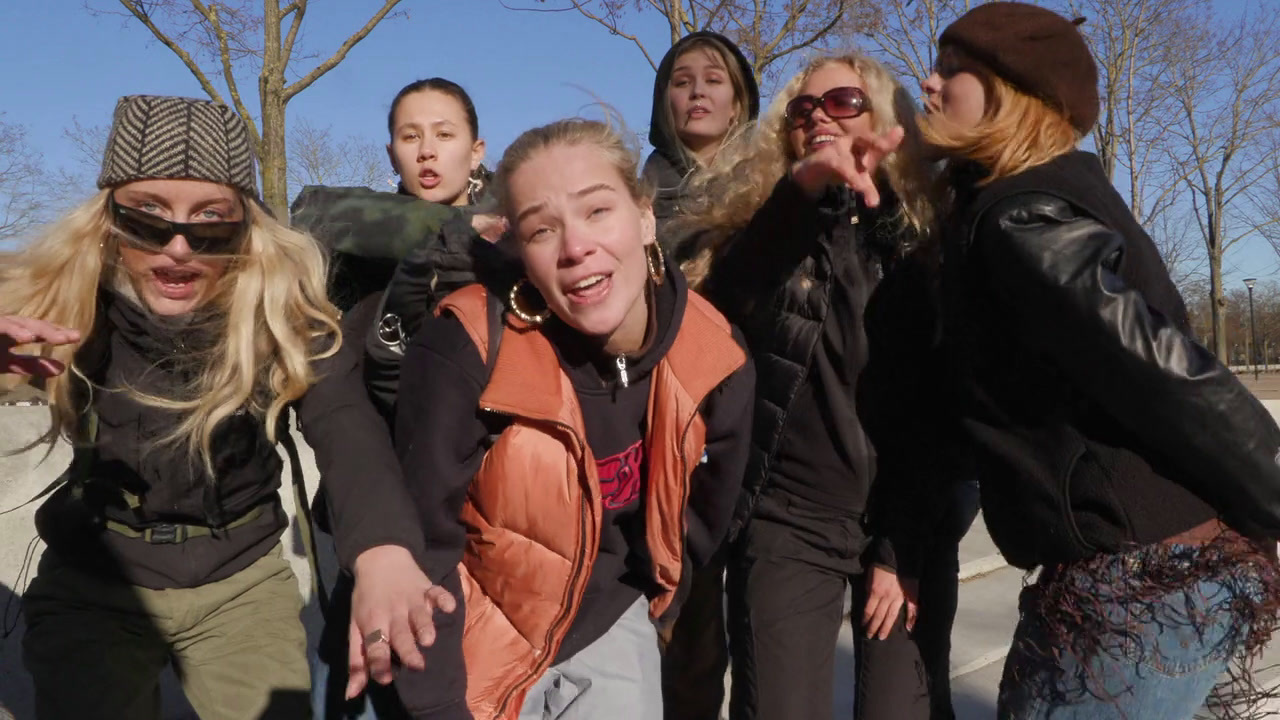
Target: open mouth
{"type": "Point", "coordinates": [817, 142]}
{"type": "Point", "coordinates": [176, 283]}
{"type": "Point", "coordinates": [428, 179]}
{"type": "Point", "coordinates": [589, 289]}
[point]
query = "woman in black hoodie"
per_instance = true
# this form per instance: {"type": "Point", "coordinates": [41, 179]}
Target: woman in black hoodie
{"type": "Point", "coordinates": [703, 96]}
{"type": "Point", "coordinates": [1118, 456]}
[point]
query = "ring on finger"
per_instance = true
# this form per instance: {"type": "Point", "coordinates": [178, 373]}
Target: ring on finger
{"type": "Point", "coordinates": [376, 637]}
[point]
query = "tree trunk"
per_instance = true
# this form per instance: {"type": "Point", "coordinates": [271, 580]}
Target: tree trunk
{"type": "Point", "coordinates": [271, 152]}
{"type": "Point", "coordinates": [1217, 303]}
{"type": "Point", "coordinates": [275, 186]}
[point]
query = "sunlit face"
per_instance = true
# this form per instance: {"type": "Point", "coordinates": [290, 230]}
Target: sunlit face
{"type": "Point", "coordinates": [582, 237]}
{"type": "Point", "coordinates": [820, 130]}
{"type": "Point", "coordinates": [431, 147]}
{"type": "Point", "coordinates": [174, 280]}
{"type": "Point", "coordinates": [954, 92]}
{"type": "Point", "coordinates": [700, 94]}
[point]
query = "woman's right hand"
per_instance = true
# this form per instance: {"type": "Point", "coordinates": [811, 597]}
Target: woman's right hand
{"type": "Point", "coordinates": [16, 330]}
{"type": "Point", "coordinates": [393, 599]}
{"type": "Point", "coordinates": [853, 164]}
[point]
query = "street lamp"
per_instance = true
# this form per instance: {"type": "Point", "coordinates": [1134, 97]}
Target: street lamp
{"type": "Point", "coordinates": [1253, 329]}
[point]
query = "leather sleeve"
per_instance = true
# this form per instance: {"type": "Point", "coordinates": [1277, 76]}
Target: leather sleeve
{"type": "Point", "coordinates": [1055, 272]}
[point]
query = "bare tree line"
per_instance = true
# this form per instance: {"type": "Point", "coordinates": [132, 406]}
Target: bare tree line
{"type": "Point", "coordinates": [1189, 132]}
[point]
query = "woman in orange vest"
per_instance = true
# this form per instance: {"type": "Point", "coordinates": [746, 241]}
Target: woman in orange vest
{"type": "Point", "coordinates": [569, 486]}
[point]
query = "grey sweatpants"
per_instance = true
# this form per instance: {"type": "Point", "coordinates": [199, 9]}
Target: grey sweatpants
{"type": "Point", "coordinates": [617, 676]}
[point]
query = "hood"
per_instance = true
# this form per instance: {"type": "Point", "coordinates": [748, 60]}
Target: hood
{"type": "Point", "coordinates": [665, 143]}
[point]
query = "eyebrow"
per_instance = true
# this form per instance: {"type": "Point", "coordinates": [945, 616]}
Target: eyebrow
{"type": "Point", "coordinates": [598, 187]}
{"type": "Point", "coordinates": [137, 196]}
{"type": "Point", "coordinates": [415, 124]}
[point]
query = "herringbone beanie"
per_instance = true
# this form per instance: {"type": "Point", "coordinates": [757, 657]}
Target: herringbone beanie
{"type": "Point", "coordinates": [183, 138]}
{"type": "Point", "coordinates": [1037, 50]}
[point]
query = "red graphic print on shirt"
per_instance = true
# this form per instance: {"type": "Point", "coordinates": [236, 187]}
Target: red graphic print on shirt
{"type": "Point", "coordinates": [620, 477]}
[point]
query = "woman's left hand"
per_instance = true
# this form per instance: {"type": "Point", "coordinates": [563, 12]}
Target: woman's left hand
{"type": "Point", "coordinates": [886, 594]}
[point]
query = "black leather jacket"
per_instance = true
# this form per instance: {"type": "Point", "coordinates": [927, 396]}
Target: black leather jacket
{"type": "Point", "coordinates": [1102, 424]}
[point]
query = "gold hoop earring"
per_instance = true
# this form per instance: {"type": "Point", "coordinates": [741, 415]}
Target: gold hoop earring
{"type": "Point", "coordinates": [513, 299]}
{"type": "Point", "coordinates": [656, 261]}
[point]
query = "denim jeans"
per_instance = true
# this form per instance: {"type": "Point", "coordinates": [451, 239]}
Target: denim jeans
{"type": "Point", "coordinates": [1163, 664]}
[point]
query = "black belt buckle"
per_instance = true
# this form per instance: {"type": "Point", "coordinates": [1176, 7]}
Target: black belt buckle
{"type": "Point", "coordinates": [166, 533]}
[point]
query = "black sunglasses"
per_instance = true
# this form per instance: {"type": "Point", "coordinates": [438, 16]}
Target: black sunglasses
{"type": "Point", "coordinates": [841, 102]}
{"type": "Point", "coordinates": [152, 232]}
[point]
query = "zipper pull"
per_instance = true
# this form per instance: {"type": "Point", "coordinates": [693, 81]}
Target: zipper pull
{"type": "Point", "coordinates": [621, 362]}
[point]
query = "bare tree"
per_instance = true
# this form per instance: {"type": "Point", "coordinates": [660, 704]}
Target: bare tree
{"type": "Point", "coordinates": [906, 33]}
{"type": "Point", "coordinates": [770, 32]}
{"type": "Point", "coordinates": [316, 157]}
{"type": "Point", "coordinates": [234, 35]}
{"type": "Point", "coordinates": [1226, 87]}
{"type": "Point", "coordinates": [22, 184]}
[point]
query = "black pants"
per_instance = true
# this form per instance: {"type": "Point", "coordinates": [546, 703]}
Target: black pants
{"type": "Point", "coordinates": [697, 655]}
{"type": "Point", "coordinates": [786, 583]}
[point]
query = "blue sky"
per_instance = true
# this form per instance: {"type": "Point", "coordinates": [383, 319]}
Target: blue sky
{"type": "Point", "coordinates": [522, 69]}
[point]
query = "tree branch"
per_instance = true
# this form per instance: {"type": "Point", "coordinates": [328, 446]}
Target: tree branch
{"type": "Point", "coordinates": [133, 7]}
{"type": "Point", "coordinates": [815, 37]}
{"type": "Point", "coordinates": [224, 52]}
{"type": "Point", "coordinates": [300, 7]}
{"type": "Point", "coordinates": [341, 53]}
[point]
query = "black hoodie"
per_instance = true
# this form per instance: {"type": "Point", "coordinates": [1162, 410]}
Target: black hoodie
{"type": "Point", "coordinates": [668, 167]}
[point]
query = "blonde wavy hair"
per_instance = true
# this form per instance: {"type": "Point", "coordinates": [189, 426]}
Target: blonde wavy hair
{"type": "Point", "coordinates": [269, 310]}
{"type": "Point", "coordinates": [724, 198]}
{"type": "Point", "coordinates": [1017, 131]}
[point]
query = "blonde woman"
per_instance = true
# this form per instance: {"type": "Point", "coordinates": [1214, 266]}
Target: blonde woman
{"type": "Point", "coordinates": [1119, 456]}
{"type": "Point", "coordinates": [172, 322]}
{"type": "Point", "coordinates": [792, 238]}
{"type": "Point", "coordinates": [570, 491]}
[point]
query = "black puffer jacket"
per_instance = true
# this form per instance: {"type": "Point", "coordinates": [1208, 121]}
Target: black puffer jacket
{"type": "Point", "coordinates": [668, 167]}
{"type": "Point", "coordinates": [776, 280]}
{"type": "Point", "coordinates": [1101, 424]}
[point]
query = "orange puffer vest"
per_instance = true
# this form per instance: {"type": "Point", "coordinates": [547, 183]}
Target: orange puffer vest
{"type": "Point", "coordinates": [533, 510]}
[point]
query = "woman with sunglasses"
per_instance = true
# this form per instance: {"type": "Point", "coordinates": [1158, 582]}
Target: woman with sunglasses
{"type": "Point", "coordinates": [793, 238]}
{"type": "Point", "coordinates": [1119, 457]}
{"type": "Point", "coordinates": [172, 322]}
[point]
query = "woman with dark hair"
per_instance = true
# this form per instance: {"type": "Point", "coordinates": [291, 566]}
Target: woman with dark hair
{"type": "Point", "coordinates": [1119, 457]}
{"type": "Point", "coordinates": [418, 244]}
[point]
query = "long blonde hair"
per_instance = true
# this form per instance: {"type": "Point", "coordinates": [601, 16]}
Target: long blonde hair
{"type": "Point", "coordinates": [1017, 131]}
{"type": "Point", "coordinates": [269, 310]}
{"type": "Point", "coordinates": [724, 198]}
